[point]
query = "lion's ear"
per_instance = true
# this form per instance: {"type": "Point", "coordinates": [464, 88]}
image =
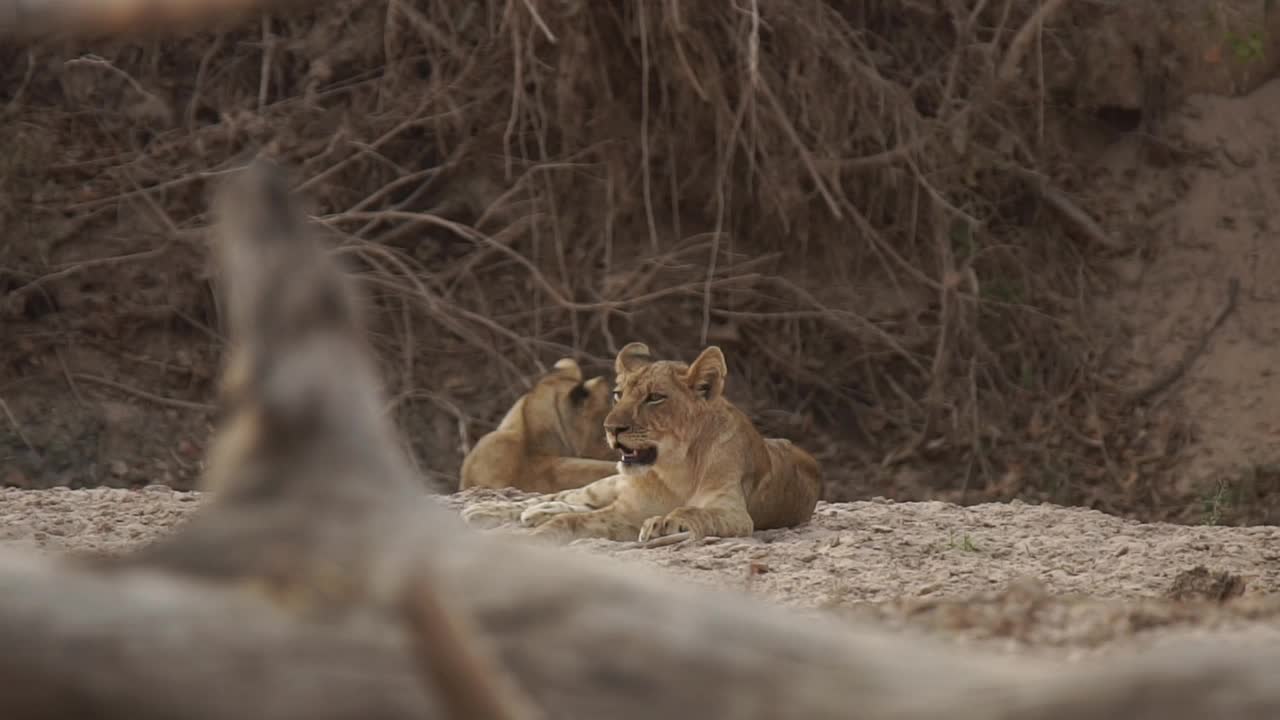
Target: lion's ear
{"type": "Point", "coordinates": [569, 367]}
{"type": "Point", "coordinates": [706, 374]}
{"type": "Point", "coordinates": [632, 357]}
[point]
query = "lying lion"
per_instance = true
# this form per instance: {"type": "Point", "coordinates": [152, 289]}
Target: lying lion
{"type": "Point", "coordinates": [550, 440]}
{"type": "Point", "coordinates": [691, 464]}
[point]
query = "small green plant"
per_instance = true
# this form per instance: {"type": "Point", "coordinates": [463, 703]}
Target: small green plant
{"type": "Point", "coordinates": [1246, 48]}
{"type": "Point", "coordinates": [1218, 503]}
{"type": "Point", "coordinates": [1003, 291]}
{"type": "Point", "coordinates": [1027, 377]}
{"type": "Point", "coordinates": [965, 544]}
{"type": "Point", "coordinates": [963, 244]}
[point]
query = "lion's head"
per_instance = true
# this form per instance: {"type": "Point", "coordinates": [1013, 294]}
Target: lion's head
{"type": "Point", "coordinates": [563, 415]}
{"type": "Point", "coordinates": [657, 404]}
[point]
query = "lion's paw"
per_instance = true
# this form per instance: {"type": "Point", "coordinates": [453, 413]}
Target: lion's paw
{"type": "Point", "coordinates": [672, 523]}
{"type": "Point", "coordinates": [491, 514]}
{"type": "Point", "coordinates": [544, 511]}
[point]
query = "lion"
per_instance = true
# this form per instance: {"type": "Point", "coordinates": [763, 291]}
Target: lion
{"type": "Point", "coordinates": [552, 438]}
{"type": "Point", "coordinates": [691, 464]}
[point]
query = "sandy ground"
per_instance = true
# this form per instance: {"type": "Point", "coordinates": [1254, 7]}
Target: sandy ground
{"type": "Point", "coordinates": [1023, 578]}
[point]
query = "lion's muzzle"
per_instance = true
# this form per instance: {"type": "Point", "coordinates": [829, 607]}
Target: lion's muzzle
{"type": "Point", "coordinates": [633, 452]}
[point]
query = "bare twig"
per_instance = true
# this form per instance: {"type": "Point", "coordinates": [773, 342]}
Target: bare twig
{"type": "Point", "coordinates": [66, 374]}
{"type": "Point", "coordinates": [1022, 39]}
{"type": "Point", "coordinates": [152, 397]}
{"type": "Point", "coordinates": [268, 54]}
{"type": "Point", "coordinates": [645, 111]}
{"type": "Point", "coordinates": [1070, 211]}
{"type": "Point", "coordinates": [83, 265]}
{"type": "Point", "coordinates": [17, 428]}
{"type": "Point", "coordinates": [20, 92]}
{"type": "Point", "coordinates": [537, 19]}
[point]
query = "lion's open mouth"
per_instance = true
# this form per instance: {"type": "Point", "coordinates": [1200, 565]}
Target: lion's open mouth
{"type": "Point", "coordinates": [641, 456]}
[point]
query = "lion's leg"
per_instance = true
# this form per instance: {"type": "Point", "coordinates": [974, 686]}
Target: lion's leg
{"type": "Point", "coordinates": [634, 499]}
{"type": "Point", "coordinates": [494, 513]}
{"type": "Point", "coordinates": [594, 496]}
{"type": "Point", "coordinates": [607, 523]}
{"type": "Point", "coordinates": [571, 473]}
{"type": "Point", "coordinates": [500, 512]}
{"type": "Point", "coordinates": [722, 514]}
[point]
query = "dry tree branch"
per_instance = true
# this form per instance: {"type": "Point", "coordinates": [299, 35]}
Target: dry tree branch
{"type": "Point", "coordinates": [1022, 39]}
{"type": "Point", "coordinates": [202, 71]}
{"type": "Point", "coordinates": [806, 155]}
{"type": "Point", "coordinates": [537, 19]}
{"type": "Point", "coordinates": [268, 56]}
{"type": "Point", "coordinates": [947, 330]}
{"type": "Point", "coordinates": [17, 426]}
{"type": "Point", "coordinates": [83, 265]}
{"type": "Point", "coordinates": [645, 113]}
{"type": "Point", "coordinates": [143, 394]}
{"type": "Point", "coordinates": [1067, 208]}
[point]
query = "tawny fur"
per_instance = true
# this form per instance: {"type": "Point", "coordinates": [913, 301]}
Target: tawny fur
{"type": "Point", "coordinates": [551, 439]}
{"type": "Point", "coordinates": [713, 475]}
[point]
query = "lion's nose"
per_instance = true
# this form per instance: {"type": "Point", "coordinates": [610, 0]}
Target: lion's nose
{"type": "Point", "coordinates": [616, 429]}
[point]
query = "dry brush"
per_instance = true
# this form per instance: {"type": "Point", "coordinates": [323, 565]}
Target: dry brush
{"type": "Point", "coordinates": [856, 200]}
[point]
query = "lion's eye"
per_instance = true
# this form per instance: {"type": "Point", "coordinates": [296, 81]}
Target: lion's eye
{"type": "Point", "coordinates": [655, 398]}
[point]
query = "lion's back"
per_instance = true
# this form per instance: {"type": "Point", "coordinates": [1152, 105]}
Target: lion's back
{"type": "Point", "coordinates": [494, 461]}
{"type": "Point", "coordinates": [789, 490]}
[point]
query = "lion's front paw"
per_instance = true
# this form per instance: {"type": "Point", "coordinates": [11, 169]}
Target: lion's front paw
{"type": "Point", "coordinates": [544, 511]}
{"type": "Point", "coordinates": [491, 514]}
{"type": "Point", "coordinates": [674, 522]}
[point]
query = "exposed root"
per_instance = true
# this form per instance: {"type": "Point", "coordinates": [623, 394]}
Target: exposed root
{"type": "Point", "coordinates": [1162, 381]}
{"type": "Point", "coordinates": [1075, 216]}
